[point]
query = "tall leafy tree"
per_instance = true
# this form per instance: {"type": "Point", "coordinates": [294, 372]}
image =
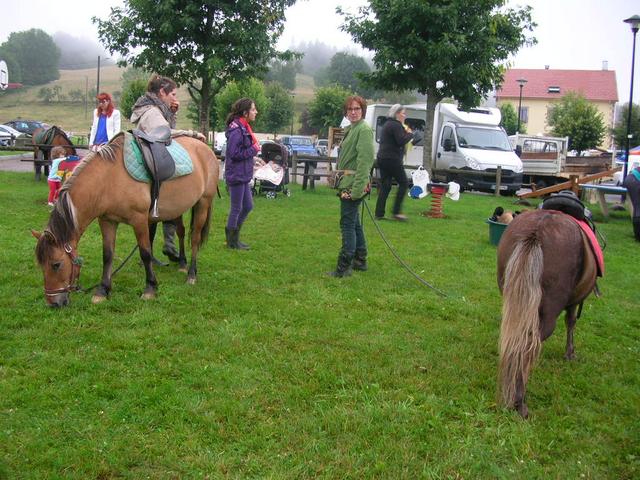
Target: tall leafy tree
{"type": "Point", "coordinates": [509, 119]}
{"type": "Point", "coordinates": [574, 117]}
{"type": "Point", "coordinates": [442, 49]}
{"type": "Point", "coordinates": [619, 131]}
{"type": "Point", "coordinates": [326, 108]}
{"type": "Point", "coordinates": [37, 55]}
{"type": "Point", "coordinates": [201, 44]}
{"type": "Point", "coordinates": [280, 111]}
{"type": "Point", "coordinates": [252, 88]}
{"type": "Point", "coordinates": [284, 72]}
{"type": "Point", "coordinates": [344, 70]}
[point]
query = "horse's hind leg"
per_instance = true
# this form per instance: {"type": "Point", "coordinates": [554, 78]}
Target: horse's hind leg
{"type": "Point", "coordinates": [108, 230]}
{"type": "Point", "coordinates": [141, 229]}
{"type": "Point", "coordinates": [180, 232]}
{"type": "Point", "coordinates": [570, 320]}
{"type": "Point", "coordinates": [199, 221]}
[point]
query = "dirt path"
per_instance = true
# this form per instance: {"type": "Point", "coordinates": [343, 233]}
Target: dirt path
{"type": "Point", "coordinates": [12, 163]}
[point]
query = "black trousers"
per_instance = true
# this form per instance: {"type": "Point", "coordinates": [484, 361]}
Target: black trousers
{"type": "Point", "coordinates": [390, 170]}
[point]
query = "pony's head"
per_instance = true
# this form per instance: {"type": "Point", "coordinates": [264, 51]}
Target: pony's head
{"type": "Point", "coordinates": [57, 255]}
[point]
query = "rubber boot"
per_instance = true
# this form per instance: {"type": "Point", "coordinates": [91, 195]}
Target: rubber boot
{"type": "Point", "coordinates": [343, 267]}
{"type": "Point", "coordinates": [241, 245]}
{"type": "Point", "coordinates": [360, 261]}
{"type": "Point", "coordinates": [636, 228]}
{"type": "Point", "coordinates": [233, 240]}
{"type": "Point", "coordinates": [169, 249]}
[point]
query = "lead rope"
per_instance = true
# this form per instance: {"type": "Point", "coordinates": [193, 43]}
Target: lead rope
{"type": "Point", "coordinates": [124, 262]}
{"type": "Point", "coordinates": [397, 257]}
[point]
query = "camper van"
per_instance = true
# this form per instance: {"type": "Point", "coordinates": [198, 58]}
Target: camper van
{"type": "Point", "coordinates": [467, 146]}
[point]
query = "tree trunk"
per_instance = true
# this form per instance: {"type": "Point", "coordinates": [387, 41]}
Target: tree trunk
{"type": "Point", "coordinates": [205, 97]}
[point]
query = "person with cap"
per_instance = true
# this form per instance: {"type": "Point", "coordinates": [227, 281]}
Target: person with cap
{"type": "Point", "coordinates": [632, 184]}
{"type": "Point", "coordinates": [393, 139]}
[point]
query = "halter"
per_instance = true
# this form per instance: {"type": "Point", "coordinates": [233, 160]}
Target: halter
{"type": "Point", "coordinates": [76, 264]}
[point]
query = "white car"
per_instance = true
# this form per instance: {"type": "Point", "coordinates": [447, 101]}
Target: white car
{"type": "Point", "coordinates": [8, 135]}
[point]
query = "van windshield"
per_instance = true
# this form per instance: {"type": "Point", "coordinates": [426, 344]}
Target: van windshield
{"type": "Point", "coordinates": [483, 138]}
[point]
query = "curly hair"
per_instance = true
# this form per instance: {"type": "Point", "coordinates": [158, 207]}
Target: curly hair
{"type": "Point", "coordinates": [110, 107]}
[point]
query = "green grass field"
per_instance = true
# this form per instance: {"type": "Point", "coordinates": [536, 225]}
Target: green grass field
{"type": "Point", "coordinates": [267, 368]}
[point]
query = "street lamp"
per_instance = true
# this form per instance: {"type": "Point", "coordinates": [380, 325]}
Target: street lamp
{"type": "Point", "coordinates": [521, 82]}
{"type": "Point", "coordinates": [633, 22]}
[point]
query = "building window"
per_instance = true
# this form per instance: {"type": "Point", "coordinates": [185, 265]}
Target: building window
{"type": "Point", "coordinates": [553, 90]}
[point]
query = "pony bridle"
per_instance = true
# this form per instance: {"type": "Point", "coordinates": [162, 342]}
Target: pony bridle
{"type": "Point", "coordinates": [72, 286]}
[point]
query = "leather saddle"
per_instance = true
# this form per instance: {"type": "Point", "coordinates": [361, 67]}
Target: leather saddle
{"type": "Point", "coordinates": [157, 159]}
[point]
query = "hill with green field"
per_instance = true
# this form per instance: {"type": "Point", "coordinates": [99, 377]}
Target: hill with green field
{"type": "Point", "coordinates": [77, 116]}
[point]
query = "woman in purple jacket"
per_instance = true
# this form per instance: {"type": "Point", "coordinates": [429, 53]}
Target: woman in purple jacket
{"type": "Point", "coordinates": [242, 147]}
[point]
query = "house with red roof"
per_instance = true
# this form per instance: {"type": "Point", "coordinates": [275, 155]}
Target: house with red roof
{"type": "Point", "coordinates": [547, 86]}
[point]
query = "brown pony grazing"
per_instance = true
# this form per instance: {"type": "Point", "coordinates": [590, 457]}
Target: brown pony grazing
{"type": "Point", "coordinates": [101, 188]}
{"type": "Point", "coordinates": [545, 266]}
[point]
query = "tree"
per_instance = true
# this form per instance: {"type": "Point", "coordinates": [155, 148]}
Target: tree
{"type": "Point", "coordinates": [37, 55]}
{"type": "Point", "coordinates": [326, 108]}
{"type": "Point", "coordinates": [619, 131]}
{"type": "Point", "coordinates": [252, 88]}
{"type": "Point", "coordinates": [284, 73]}
{"type": "Point", "coordinates": [574, 117]}
{"type": "Point", "coordinates": [280, 111]}
{"type": "Point", "coordinates": [442, 49]}
{"type": "Point", "coordinates": [15, 70]}
{"type": "Point", "coordinates": [344, 69]}
{"type": "Point", "coordinates": [510, 119]}
{"type": "Point", "coordinates": [133, 90]}
{"type": "Point", "coordinates": [46, 94]}
{"type": "Point", "coordinates": [305, 124]}
{"type": "Point", "coordinates": [76, 95]}
{"type": "Point", "coordinates": [202, 44]}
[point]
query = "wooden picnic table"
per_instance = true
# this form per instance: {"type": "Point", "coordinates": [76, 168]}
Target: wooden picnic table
{"type": "Point", "coordinates": [603, 190]}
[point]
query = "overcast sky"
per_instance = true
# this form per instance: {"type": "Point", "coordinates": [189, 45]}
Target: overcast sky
{"type": "Point", "coordinates": [572, 34]}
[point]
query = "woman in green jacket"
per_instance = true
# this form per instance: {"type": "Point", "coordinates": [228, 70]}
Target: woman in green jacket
{"type": "Point", "coordinates": [355, 162]}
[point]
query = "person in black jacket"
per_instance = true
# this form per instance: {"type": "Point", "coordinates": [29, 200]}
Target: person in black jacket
{"type": "Point", "coordinates": [632, 184]}
{"type": "Point", "coordinates": [393, 139]}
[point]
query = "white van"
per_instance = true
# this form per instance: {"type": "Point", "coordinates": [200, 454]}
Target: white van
{"type": "Point", "coordinates": [467, 146]}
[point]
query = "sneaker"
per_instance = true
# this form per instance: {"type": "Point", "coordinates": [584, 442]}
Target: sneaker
{"type": "Point", "coordinates": [400, 217]}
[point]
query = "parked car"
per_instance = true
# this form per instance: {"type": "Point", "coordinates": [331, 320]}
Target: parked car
{"type": "Point", "coordinates": [300, 144]}
{"type": "Point", "coordinates": [8, 135]}
{"type": "Point", "coordinates": [27, 126]}
{"type": "Point", "coordinates": [322, 146]}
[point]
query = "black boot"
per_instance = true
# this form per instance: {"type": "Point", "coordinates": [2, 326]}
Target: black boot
{"type": "Point", "coordinates": [343, 268]}
{"type": "Point", "coordinates": [360, 261]}
{"type": "Point", "coordinates": [636, 228]}
{"type": "Point", "coordinates": [233, 240]}
{"type": "Point", "coordinates": [241, 245]}
{"type": "Point", "coordinates": [169, 249]}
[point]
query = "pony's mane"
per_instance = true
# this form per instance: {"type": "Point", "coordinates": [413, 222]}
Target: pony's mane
{"type": "Point", "coordinates": [107, 152]}
{"type": "Point", "coordinates": [60, 229]}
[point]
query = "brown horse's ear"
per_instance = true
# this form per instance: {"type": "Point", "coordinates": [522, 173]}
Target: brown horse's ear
{"type": "Point", "coordinates": [36, 234]}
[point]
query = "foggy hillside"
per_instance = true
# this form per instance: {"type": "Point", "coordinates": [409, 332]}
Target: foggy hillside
{"type": "Point", "coordinates": [78, 53]}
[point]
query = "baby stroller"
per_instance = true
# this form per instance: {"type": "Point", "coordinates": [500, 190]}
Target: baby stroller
{"type": "Point", "coordinates": [272, 177]}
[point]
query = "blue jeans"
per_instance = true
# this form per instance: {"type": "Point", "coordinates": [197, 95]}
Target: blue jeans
{"type": "Point", "coordinates": [241, 204]}
{"type": "Point", "coordinates": [352, 234]}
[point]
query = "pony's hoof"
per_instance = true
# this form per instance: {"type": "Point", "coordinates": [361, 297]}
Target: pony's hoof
{"type": "Point", "coordinates": [183, 270]}
{"type": "Point", "coordinates": [148, 296]}
{"type": "Point", "coordinates": [96, 299]}
{"type": "Point", "coordinates": [191, 281]}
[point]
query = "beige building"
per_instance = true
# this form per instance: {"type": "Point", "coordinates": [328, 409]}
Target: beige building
{"type": "Point", "coordinates": [545, 87]}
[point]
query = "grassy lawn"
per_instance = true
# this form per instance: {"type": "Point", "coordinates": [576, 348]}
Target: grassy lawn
{"type": "Point", "coordinates": [269, 369]}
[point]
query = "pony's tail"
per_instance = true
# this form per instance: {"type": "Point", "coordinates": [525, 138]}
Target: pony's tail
{"type": "Point", "coordinates": [520, 330]}
{"type": "Point", "coordinates": [204, 234]}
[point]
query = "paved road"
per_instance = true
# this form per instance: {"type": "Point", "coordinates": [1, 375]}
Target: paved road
{"type": "Point", "coordinates": [12, 163]}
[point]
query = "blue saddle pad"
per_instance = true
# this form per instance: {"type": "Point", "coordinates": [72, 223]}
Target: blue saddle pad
{"type": "Point", "coordinates": [136, 167]}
